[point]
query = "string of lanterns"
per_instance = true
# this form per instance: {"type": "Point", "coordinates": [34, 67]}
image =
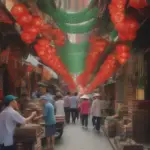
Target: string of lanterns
{"type": "Point", "coordinates": [33, 29]}
{"type": "Point", "coordinates": [127, 28]}
{"type": "Point", "coordinates": [97, 46]}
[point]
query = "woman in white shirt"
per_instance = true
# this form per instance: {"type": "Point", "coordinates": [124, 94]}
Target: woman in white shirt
{"type": "Point", "coordinates": [96, 111]}
{"type": "Point", "coordinates": [59, 105]}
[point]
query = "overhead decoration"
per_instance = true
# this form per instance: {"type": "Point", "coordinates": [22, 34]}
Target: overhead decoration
{"type": "Point", "coordinates": [122, 53]}
{"type": "Point", "coordinates": [32, 26]}
{"type": "Point", "coordinates": [97, 46]}
{"type": "Point", "coordinates": [105, 72]}
{"type": "Point", "coordinates": [34, 29]}
{"type": "Point", "coordinates": [47, 54]}
{"type": "Point", "coordinates": [125, 25]}
{"type": "Point", "coordinates": [139, 3]}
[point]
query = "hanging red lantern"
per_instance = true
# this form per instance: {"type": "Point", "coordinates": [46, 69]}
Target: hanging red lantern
{"type": "Point", "coordinates": [122, 48]}
{"type": "Point", "coordinates": [32, 29]}
{"type": "Point", "coordinates": [131, 24]}
{"type": "Point", "coordinates": [132, 36]}
{"type": "Point", "coordinates": [37, 21]}
{"type": "Point", "coordinates": [58, 37]}
{"type": "Point", "coordinates": [43, 42]}
{"type": "Point", "coordinates": [123, 2]}
{"type": "Point", "coordinates": [118, 17]}
{"type": "Point", "coordinates": [24, 20]}
{"type": "Point", "coordinates": [27, 37]}
{"type": "Point", "coordinates": [122, 60]}
{"type": "Point", "coordinates": [19, 10]}
{"type": "Point", "coordinates": [138, 3]}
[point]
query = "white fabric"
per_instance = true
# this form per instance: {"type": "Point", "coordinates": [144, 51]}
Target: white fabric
{"type": "Point", "coordinates": [9, 118]}
{"type": "Point", "coordinates": [97, 107]}
{"type": "Point", "coordinates": [59, 105]}
{"type": "Point", "coordinates": [85, 97]}
{"type": "Point", "coordinates": [96, 95]}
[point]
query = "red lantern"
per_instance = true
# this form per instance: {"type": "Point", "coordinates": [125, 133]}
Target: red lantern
{"type": "Point", "coordinates": [138, 3]}
{"type": "Point", "coordinates": [27, 37]}
{"type": "Point", "coordinates": [37, 22]}
{"type": "Point", "coordinates": [132, 36]}
{"type": "Point", "coordinates": [24, 20]}
{"type": "Point", "coordinates": [123, 2]}
{"type": "Point", "coordinates": [43, 42]}
{"type": "Point", "coordinates": [19, 10]}
{"type": "Point", "coordinates": [32, 29]}
{"type": "Point", "coordinates": [123, 37]}
{"type": "Point", "coordinates": [122, 60]}
{"type": "Point", "coordinates": [58, 37]}
{"type": "Point", "coordinates": [118, 17]}
{"type": "Point", "coordinates": [122, 48]}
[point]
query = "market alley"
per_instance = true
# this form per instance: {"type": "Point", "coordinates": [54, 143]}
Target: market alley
{"type": "Point", "coordinates": [76, 138]}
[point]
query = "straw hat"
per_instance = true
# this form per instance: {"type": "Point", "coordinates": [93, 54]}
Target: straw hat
{"type": "Point", "coordinates": [85, 97]}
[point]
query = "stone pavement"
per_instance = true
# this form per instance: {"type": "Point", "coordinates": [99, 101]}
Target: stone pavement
{"type": "Point", "coordinates": [76, 138]}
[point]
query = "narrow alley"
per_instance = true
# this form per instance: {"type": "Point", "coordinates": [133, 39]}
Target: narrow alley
{"type": "Point", "coordinates": [76, 138]}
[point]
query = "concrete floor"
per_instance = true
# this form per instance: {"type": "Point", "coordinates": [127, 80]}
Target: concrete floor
{"type": "Point", "coordinates": [76, 138]}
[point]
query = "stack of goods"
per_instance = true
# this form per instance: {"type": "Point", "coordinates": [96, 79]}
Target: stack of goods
{"type": "Point", "coordinates": [28, 137]}
{"type": "Point", "coordinates": [119, 128]}
{"type": "Point", "coordinates": [132, 106]}
{"type": "Point", "coordinates": [110, 127]}
{"type": "Point", "coordinates": [33, 106]}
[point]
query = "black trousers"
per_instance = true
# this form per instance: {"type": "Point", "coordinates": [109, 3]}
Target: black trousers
{"type": "Point", "coordinates": [84, 120]}
{"type": "Point", "coordinates": [96, 122]}
{"type": "Point", "coordinates": [74, 114]}
{"type": "Point", "coordinates": [67, 114]}
{"type": "Point", "coordinates": [2, 147]}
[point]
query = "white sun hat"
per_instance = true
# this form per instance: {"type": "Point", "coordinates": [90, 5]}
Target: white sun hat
{"type": "Point", "coordinates": [96, 95]}
{"type": "Point", "coordinates": [85, 97]}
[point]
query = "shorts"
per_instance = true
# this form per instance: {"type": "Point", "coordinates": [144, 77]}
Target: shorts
{"type": "Point", "coordinates": [50, 130]}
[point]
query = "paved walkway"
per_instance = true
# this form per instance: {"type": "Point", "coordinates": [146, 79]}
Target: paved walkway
{"type": "Point", "coordinates": [76, 138]}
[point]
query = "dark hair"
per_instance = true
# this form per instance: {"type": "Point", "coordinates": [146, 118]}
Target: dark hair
{"type": "Point", "coordinates": [58, 97]}
{"type": "Point", "coordinates": [6, 104]}
{"type": "Point", "coordinates": [68, 93]}
{"type": "Point", "coordinates": [75, 93]}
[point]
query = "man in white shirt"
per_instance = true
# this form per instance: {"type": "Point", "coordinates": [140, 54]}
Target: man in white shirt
{"type": "Point", "coordinates": [96, 111]}
{"type": "Point", "coordinates": [59, 105]}
{"type": "Point", "coordinates": [9, 118]}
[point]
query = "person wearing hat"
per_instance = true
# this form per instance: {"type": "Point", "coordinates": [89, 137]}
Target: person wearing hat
{"type": "Point", "coordinates": [84, 110]}
{"type": "Point", "coordinates": [96, 110]}
{"type": "Point", "coordinates": [50, 121]}
{"type": "Point", "coordinates": [9, 118]}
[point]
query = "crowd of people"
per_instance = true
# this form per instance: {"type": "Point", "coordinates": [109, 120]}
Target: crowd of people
{"type": "Point", "coordinates": [72, 106]}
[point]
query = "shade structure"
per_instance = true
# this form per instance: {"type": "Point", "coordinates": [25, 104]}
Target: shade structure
{"type": "Point", "coordinates": [76, 20]}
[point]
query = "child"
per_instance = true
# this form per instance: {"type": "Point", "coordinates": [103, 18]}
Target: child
{"type": "Point", "coordinates": [85, 109]}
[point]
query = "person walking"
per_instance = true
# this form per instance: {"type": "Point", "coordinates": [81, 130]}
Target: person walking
{"type": "Point", "coordinates": [9, 118]}
{"type": "Point", "coordinates": [67, 107]}
{"type": "Point", "coordinates": [74, 107]}
{"type": "Point", "coordinates": [50, 121]}
{"type": "Point", "coordinates": [59, 105]}
{"type": "Point", "coordinates": [96, 111]}
{"type": "Point", "coordinates": [84, 110]}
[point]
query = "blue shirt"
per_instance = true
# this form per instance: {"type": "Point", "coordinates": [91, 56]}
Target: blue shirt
{"type": "Point", "coordinates": [49, 115]}
{"type": "Point", "coordinates": [73, 102]}
{"type": "Point", "coordinates": [9, 118]}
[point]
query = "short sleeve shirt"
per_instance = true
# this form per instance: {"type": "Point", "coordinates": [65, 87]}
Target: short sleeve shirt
{"type": "Point", "coordinates": [9, 118]}
{"type": "Point", "coordinates": [49, 115]}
